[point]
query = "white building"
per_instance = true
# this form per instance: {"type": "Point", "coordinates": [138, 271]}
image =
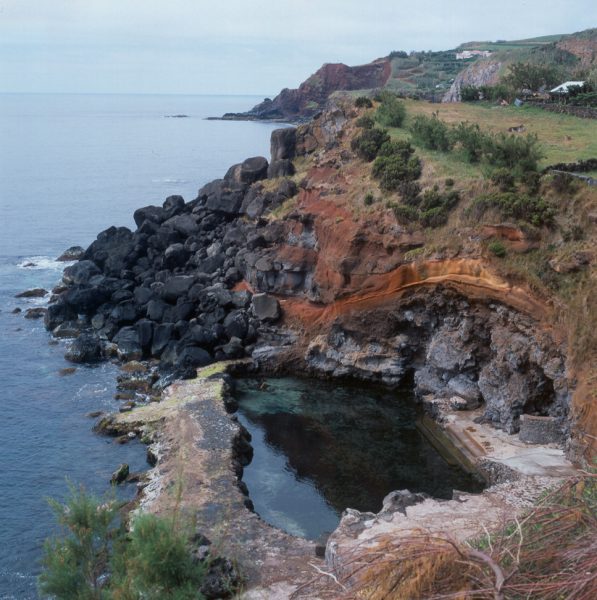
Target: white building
{"type": "Point", "coordinates": [471, 53]}
{"type": "Point", "coordinates": [564, 88]}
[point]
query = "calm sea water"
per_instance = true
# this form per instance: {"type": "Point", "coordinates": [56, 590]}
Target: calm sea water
{"type": "Point", "coordinates": [70, 166]}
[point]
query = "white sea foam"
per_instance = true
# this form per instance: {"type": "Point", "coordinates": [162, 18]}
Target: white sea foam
{"type": "Point", "coordinates": [169, 180]}
{"type": "Point", "coordinates": [43, 263]}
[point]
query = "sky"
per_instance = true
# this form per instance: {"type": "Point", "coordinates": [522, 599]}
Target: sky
{"type": "Point", "coordinates": [243, 46]}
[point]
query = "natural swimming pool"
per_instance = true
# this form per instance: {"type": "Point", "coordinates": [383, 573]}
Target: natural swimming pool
{"type": "Point", "coordinates": [323, 446]}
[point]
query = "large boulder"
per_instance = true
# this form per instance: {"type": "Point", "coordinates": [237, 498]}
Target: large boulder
{"type": "Point", "coordinates": [129, 346]}
{"type": "Point", "coordinates": [80, 272]}
{"type": "Point", "coordinates": [85, 299]}
{"type": "Point", "coordinates": [266, 307]}
{"type": "Point", "coordinates": [85, 348]}
{"type": "Point", "coordinates": [282, 143]}
{"type": "Point", "coordinates": [184, 224]}
{"type": "Point", "coordinates": [177, 286]}
{"type": "Point", "coordinates": [155, 214]}
{"type": "Point", "coordinates": [222, 196]}
{"type": "Point", "coordinates": [58, 313]}
{"type": "Point", "coordinates": [281, 168]}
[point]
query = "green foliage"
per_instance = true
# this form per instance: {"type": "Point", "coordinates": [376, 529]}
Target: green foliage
{"type": "Point", "coordinates": [369, 199]}
{"type": "Point", "coordinates": [95, 559]}
{"type": "Point", "coordinates": [363, 102]}
{"type": "Point", "coordinates": [449, 183]}
{"type": "Point", "coordinates": [497, 248]}
{"type": "Point", "coordinates": [405, 214]}
{"type": "Point", "coordinates": [514, 152]}
{"type": "Point", "coordinates": [532, 181]}
{"type": "Point", "coordinates": [469, 93]}
{"type": "Point", "coordinates": [431, 133]}
{"type": "Point", "coordinates": [73, 564]}
{"type": "Point", "coordinates": [512, 205]}
{"type": "Point", "coordinates": [365, 122]}
{"type": "Point", "coordinates": [391, 111]}
{"type": "Point", "coordinates": [431, 209]}
{"type": "Point", "coordinates": [471, 139]}
{"type": "Point", "coordinates": [368, 143]}
{"type": "Point", "coordinates": [528, 76]}
{"type": "Point", "coordinates": [396, 163]}
{"type": "Point", "coordinates": [156, 563]}
{"type": "Point", "coordinates": [495, 93]}
{"type": "Point", "coordinates": [564, 183]}
{"type": "Point", "coordinates": [409, 191]}
{"type": "Point", "coordinates": [504, 179]}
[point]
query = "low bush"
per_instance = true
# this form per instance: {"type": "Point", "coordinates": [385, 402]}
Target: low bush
{"type": "Point", "coordinates": [409, 192]}
{"type": "Point", "coordinates": [512, 205]}
{"type": "Point", "coordinates": [521, 154]}
{"type": "Point", "coordinates": [469, 93]}
{"type": "Point", "coordinates": [449, 183]}
{"type": "Point", "coordinates": [368, 143]}
{"type": "Point", "coordinates": [365, 122]}
{"type": "Point", "coordinates": [97, 559]}
{"type": "Point", "coordinates": [564, 183]}
{"type": "Point", "coordinates": [405, 214]}
{"type": "Point", "coordinates": [363, 102]}
{"type": "Point", "coordinates": [391, 111]}
{"type": "Point", "coordinates": [431, 133]}
{"type": "Point", "coordinates": [504, 179]}
{"type": "Point", "coordinates": [369, 199]}
{"type": "Point", "coordinates": [497, 248]}
{"type": "Point", "coordinates": [471, 139]}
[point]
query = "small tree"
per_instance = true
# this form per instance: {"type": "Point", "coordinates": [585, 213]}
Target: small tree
{"type": "Point", "coordinates": [391, 112]}
{"type": "Point", "coordinates": [73, 564]}
{"type": "Point", "coordinates": [368, 143]}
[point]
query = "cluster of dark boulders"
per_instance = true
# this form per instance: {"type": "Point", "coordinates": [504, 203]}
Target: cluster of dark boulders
{"type": "Point", "coordinates": [167, 290]}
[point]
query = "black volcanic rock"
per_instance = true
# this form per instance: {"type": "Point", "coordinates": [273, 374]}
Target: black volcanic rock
{"type": "Point", "coordinates": [282, 144]}
{"type": "Point", "coordinates": [85, 348]}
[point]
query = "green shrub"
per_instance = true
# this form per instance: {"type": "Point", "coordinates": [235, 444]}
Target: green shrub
{"type": "Point", "coordinates": [532, 181]}
{"type": "Point", "coordinates": [472, 140]}
{"type": "Point", "coordinates": [514, 152]}
{"type": "Point", "coordinates": [528, 76]}
{"type": "Point", "coordinates": [449, 182]}
{"type": "Point", "coordinates": [431, 133]}
{"type": "Point", "coordinates": [368, 143]}
{"type": "Point", "coordinates": [409, 191]}
{"type": "Point", "coordinates": [503, 179]}
{"type": "Point", "coordinates": [391, 111]}
{"type": "Point", "coordinates": [469, 93]}
{"type": "Point", "coordinates": [365, 122]}
{"type": "Point", "coordinates": [73, 564]}
{"type": "Point", "coordinates": [363, 102]}
{"type": "Point", "coordinates": [405, 214]}
{"type": "Point", "coordinates": [400, 148]}
{"type": "Point", "coordinates": [512, 205]}
{"type": "Point", "coordinates": [394, 169]}
{"type": "Point", "coordinates": [434, 217]}
{"type": "Point", "coordinates": [564, 183]}
{"type": "Point", "coordinates": [95, 559]}
{"type": "Point", "coordinates": [497, 248]}
{"type": "Point", "coordinates": [369, 199]}
{"type": "Point", "coordinates": [157, 562]}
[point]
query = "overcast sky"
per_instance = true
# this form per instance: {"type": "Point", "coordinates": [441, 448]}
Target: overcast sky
{"type": "Point", "coordinates": [242, 46]}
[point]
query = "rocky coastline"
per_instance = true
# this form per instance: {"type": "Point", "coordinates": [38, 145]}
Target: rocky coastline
{"type": "Point", "coordinates": [267, 266]}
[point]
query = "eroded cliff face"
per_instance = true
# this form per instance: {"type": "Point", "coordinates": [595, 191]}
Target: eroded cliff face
{"type": "Point", "coordinates": [480, 73]}
{"type": "Point", "coordinates": [310, 97]}
{"type": "Point", "coordinates": [187, 287]}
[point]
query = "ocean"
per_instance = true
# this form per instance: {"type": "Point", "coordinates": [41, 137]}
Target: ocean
{"type": "Point", "coordinates": [71, 166]}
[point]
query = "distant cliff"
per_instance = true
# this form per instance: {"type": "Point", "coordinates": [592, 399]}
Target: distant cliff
{"type": "Point", "coordinates": [312, 94]}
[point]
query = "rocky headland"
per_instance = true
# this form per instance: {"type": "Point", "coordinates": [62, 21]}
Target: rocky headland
{"type": "Point", "coordinates": [280, 264]}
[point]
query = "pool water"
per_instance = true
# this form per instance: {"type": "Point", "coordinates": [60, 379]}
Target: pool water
{"type": "Point", "coordinates": [321, 447]}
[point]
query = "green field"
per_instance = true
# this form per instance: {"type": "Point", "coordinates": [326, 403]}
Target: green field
{"type": "Point", "coordinates": [564, 138]}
